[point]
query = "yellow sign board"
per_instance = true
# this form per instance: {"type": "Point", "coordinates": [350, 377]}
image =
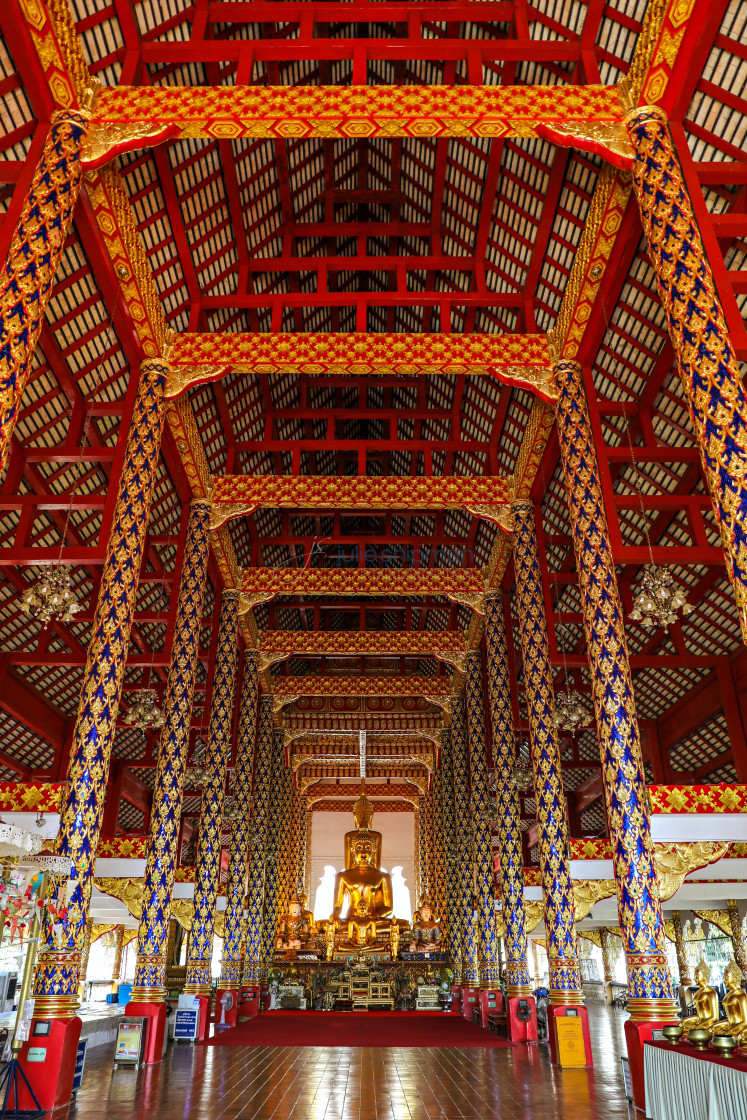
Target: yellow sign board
{"type": "Point", "coordinates": [570, 1038]}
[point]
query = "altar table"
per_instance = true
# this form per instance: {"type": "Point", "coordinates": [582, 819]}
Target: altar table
{"type": "Point", "coordinates": [683, 1083]}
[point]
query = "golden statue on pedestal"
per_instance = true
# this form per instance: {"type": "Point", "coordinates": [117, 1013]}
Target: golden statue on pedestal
{"type": "Point", "coordinates": [294, 931]}
{"type": "Point", "coordinates": [370, 925]}
{"type": "Point", "coordinates": [426, 929]}
{"type": "Point", "coordinates": [735, 1005]}
{"type": "Point", "coordinates": [706, 1002]}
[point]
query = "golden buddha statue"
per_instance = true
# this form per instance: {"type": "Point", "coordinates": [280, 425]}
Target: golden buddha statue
{"type": "Point", "coordinates": [366, 888]}
{"type": "Point", "coordinates": [426, 929]}
{"type": "Point", "coordinates": [706, 1001]}
{"type": "Point", "coordinates": [735, 1005]}
{"type": "Point", "coordinates": [293, 929]}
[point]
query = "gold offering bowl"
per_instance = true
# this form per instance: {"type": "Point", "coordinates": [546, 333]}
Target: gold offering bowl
{"type": "Point", "coordinates": [699, 1037]}
{"type": "Point", "coordinates": [724, 1044]}
{"type": "Point", "coordinates": [673, 1032]}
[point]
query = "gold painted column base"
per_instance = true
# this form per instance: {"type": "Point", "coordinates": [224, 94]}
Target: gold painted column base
{"type": "Point", "coordinates": [519, 991]}
{"type": "Point", "coordinates": [56, 1007]}
{"type": "Point", "coordinates": [566, 998]}
{"type": "Point", "coordinates": [148, 995]}
{"type": "Point", "coordinates": [653, 1010]}
{"type": "Point", "coordinates": [203, 990]}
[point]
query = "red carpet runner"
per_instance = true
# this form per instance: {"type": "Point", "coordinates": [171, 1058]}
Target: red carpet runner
{"type": "Point", "coordinates": [365, 1028]}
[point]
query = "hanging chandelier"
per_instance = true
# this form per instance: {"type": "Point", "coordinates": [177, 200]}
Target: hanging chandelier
{"type": "Point", "coordinates": [570, 713]}
{"type": "Point", "coordinates": [52, 597]}
{"type": "Point", "coordinates": [196, 773]}
{"type": "Point", "coordinates": [231, 811]}
{"type": "Point", "coordinates": [144, 711]}
{"type": "Point", "coordinates": [522, 776]}
{"type": "Point", "coordinates": [659, 598]}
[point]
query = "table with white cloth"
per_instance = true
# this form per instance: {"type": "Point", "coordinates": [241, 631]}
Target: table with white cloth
{"type": "Point", "coordinates": [683, 1083]}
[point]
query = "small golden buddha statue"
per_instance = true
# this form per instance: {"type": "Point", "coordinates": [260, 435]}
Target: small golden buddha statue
{"type": "Point", "coordinates": [293, 929]}
{"type": "Point", "coordinates": [735, 1005]}
{"type": "Point", "coordinates": [426, 930]}
{"type": "Point", "coordinates": [706, 1001]}
{"type": "Point", "coordinates": [366, 888]}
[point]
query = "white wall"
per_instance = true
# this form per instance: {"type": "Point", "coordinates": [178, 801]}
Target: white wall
{"type": "Point", "coordinates": [397, 849]}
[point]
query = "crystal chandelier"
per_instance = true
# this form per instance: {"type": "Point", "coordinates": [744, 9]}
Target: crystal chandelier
{"type": "Point", "coordinates": [144, 711]}
{"type": "Point", "coordinates": [659, 598]}
{"type": "Point", "coordinates": [570, 713]}
{"type": "Point", "coordinates": [51, 597]}
{"type": "Point", "coordinates": [522, 777]}
{"type": "Point", "coordinates": [231, 811]}
{"type": "Point", "coordinates": [196, 773]}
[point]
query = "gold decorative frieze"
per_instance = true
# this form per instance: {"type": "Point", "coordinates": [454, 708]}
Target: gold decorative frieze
{"type": "Point", "coordinates": [522, 360]}
{"type": "Point", "coordinates": [238, 495]}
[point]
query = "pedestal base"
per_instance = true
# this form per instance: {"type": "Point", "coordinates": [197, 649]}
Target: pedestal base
{"type": "Point", "coordinates": [51, 1079]}
{"type": "Point", "coordinates": [635, 1036]}
{"type": "Point", "coordinates": [248, 1003]}
{"type": "Point", "coordinates": [155, 1013]}
{"type": "Point", "coordinates": [490, 1000]}
{"type": "Point", "coordinates": [456, 1000]}
{"type": "Point", "coordinates": [470, 1000]}
{"type": "Point", "coordinates": [203, 1022]}
{"type": "Point", "coordinates": [521, 1019]}
{"type": "Point", "coordinates": [574, 1050]}
{"type": "Point", "coordinates": [228, 1017]}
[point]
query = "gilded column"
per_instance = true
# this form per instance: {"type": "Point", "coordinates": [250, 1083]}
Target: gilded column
{"type": "Point", "coordinates": [207, 864]}
{"type": "Point", "coordinates": [507, 800]}
{"type": "Point", "coordinates": [296, 844]}
{"type": "Point", "coordinates": [285, 846]}
{"type": "Point", "coordinates": [706, 361]}
{"type": "Point", "coordinates": [273, 852]}
{"type": "Point", "coordinates": [623, 777]}
{"type": "Point", "coordinates": [424, 820]}
{"type": "Point", "coordinates": [737, 936]}
{"type": "Point", "coordinates": [230, 975]}
{"type": "Point", "coordinates": [416, 852]}
{"type": "Point", "coordinates": [56, 982]}
{"type": "Point", "coordinates": [482, 817]}
{"type": "Point", "coordinates": [161, 855]}
{"type": "Point", "coordinates": [470, 975]}
{"type": "Point", "coordinates": [33, 258]}
{"type": "Point", "coordinates": [307, 884]}
{"type": "Point", "coordinates": [447, 815]}
{"type": "Point", "coordinates": [117, 963]}
{"type": "Point", "coordinates": [680, 945]}
{"type": "Point", "coordinates": [552, 822]}
{"type": "Point", "coordinates": [439, 859]}
{"type": "Point", "coordinates": [258, 838]}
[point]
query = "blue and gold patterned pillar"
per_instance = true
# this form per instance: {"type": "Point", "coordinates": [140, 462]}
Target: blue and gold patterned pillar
{"type": "Point", "coordinates": [56, 983]}
{"type": "Point", "coordinates": [439, 859]}
{"type": "Point", "coordinates": [273, 852]}
{"type": "Point", "coordinates": [258, 837]}
{"type": "Point", "coordinates": [230, 976]}
{"type": "Point", "coordinates": [552, 821]}
{"type": "Point", "coordinates": [470, 973]}
{"type": "Point", "coordinates": [639, 906]}
{"type": "Point", "coordinates": [507, 800]}
{"type": "Point", "coordinates": [207, 863]}
{"type": "Point", "coordinates": [482, 816]}
{"type": "Point", "coordinates": [33, 258]}
{"type": "Point", "coordinates": [706, 360]}
{"type": "Point", "coordinates": [450, 848]}
{"type": "Point", "coordinates": [161, 856]}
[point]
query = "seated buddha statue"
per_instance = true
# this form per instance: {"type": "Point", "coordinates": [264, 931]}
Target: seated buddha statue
{"type": "Point", "coordinates": [426, 930]}
{"type": "Point", "coordinates": [363, 885]}
{"type": "Point", "coordinates": [706, 1002]}
{"type": "Point", "coordinates": [293, 929]}
{"type": "Point", "coordinates": [735, 1005]}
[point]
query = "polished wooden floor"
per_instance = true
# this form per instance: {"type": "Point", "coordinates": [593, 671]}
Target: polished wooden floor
{"type": "Point", "coordinates": [326, 1083]}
